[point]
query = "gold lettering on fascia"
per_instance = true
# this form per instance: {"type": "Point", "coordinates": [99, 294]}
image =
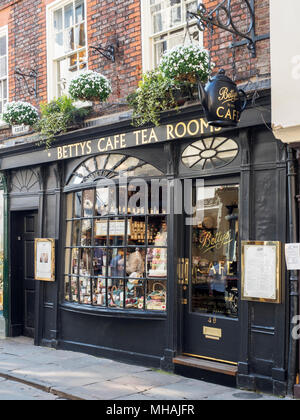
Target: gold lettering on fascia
{"type": "Point", "coordinates": [179, 130]}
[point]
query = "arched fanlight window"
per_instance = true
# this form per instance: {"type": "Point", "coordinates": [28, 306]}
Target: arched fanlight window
{"type": "Point", "coordinates": [210, 153]}
{"type": "Point", "coordinates": [112, 166]}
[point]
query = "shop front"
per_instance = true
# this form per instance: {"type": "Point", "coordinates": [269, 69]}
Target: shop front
{"type": "Point", "coordinates": [138, 278]}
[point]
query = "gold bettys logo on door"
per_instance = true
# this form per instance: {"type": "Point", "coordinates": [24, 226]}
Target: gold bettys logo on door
{"type": "Point", "coordinates": [208, 241]}
{"type": "Point", "coordinates": [228, 98]}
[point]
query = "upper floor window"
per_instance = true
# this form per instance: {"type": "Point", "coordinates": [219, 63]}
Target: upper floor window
{"type": "Point", "coordinates": [67, 44]}
{"type": "Point", "coordinates": [3, 70]}
{"type": "Point", "coordinates": [166, 28]}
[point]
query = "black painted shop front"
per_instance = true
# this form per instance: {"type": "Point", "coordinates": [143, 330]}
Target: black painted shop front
{"type": "Point", "coordinates": [137, 284]}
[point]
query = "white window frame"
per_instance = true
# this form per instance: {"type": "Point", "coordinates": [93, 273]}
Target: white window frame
{"type": "Point", "coordinates": [147, 35]}
{"type": "Point", "coordinates": [51, 61]}
{"type": "Point", "coordinates": [4, 32]}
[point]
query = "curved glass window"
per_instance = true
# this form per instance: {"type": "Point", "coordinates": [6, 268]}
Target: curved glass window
{"type": "Point", "coordinates": [116, 242]}
{"type": "Point", "coordinates": [210, 153]}
{"type": "Point", "coordinates": [112, 166]}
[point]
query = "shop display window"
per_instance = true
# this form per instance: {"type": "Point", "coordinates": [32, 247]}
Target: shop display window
{"type": "Point", "coordinates": [115, 255]}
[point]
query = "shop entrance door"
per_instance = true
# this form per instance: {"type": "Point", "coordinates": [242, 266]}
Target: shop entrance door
{"type": "Point", "coordinates": [211, 285]}
{"type": "Point", "coordinates": [23, 231]}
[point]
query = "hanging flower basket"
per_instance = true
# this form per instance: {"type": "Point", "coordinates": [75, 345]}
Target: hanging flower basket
{"type": "Point", "coordinates": [20, 113]}
{"type": "Point", "coordinates": [188, 63]}
{"type": "Point", "coordinates": [90, 86]}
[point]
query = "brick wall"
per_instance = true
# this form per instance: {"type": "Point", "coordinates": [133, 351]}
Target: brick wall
{"type": "Point", "coordinates": [224, 57]}
{"type": "Point", "coordinates": [116, 22]}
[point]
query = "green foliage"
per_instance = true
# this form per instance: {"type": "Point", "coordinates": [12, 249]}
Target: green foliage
{"type": "Point", "coordinates": [57, 117]}
{"type": "Point", "coordinates": [154, 95]}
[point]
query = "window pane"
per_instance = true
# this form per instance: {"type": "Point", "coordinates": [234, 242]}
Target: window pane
{"type": "Point", "coordinates": [99, 292]}
{"type": "Point", "coordinates": [85, 290]}
{"type": "Point", "coordinates": [157, 231]}
{"type": "Point", "coordinates": [58, 20]}
{"type": "Point", "coordinates": [80, 36]}
{"type": "Point", "coordinates": [69, 40]}
{"type": "Point", "coordinates": [136, 231]}
{"type": "Point", "coordinates": [3, 46]}
{"type": "Point", "coordinates": [157, 262]}
{"type": "Point", "coordinates": [116, 262]}
{"type": "Point", "coordinates": [77, 205]}
{"type": "Point", "coordinates": [79, 11]}
{"type": "Point", "coordinates": [3, 66]}
{"type": "Point", "coordinates": [86, 232]}
{"type": "Point", "coordinates": [116, 294]}
{"type": "Point", "coordinates": [215, 254]}
{"type": "Point", "coordinates": [135, 291]}
{"type": "Point", "coordinates": [135, 263]}
{"type": "Point", "coordinates": [74, 289]}
{"type": "Point", "coordinates": [76, 233]}
{"type": "Point", "coordinates": [69, 18]}
{"type": "Point", "coordinates": [156, 296]}
{"type": "Point", "coordinates": [59, 45]}
{"type": "Point", "coordinates": [117, 230]}
{"type": "Point", "coordinates": [100, 232]}
{"type": "Point", "coordinates": [99, 261]}
{"type": "Point", "coordinates": [75, 261]}
{"type": "Point", "coordinates": [88, 203]}
{"type": "Point", "coordinates": [85, 263]}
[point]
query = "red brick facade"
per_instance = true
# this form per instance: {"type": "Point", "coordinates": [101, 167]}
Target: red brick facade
{"type": "Point", "coordinates": [115, 22]}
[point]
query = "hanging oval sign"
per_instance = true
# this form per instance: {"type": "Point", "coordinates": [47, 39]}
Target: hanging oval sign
{"type": "Point", "coordinates": [222, 101]}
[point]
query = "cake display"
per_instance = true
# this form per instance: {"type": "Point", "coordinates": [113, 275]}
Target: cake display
{"type": "Point", "coordinates": [159, 256]}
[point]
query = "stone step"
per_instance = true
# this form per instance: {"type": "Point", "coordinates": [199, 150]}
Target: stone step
{"type": "Point", "coordinates": [203, 364]}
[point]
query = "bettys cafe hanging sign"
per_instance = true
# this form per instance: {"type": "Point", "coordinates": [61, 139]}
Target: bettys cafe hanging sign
{"type": "Point", "coordinates": [180, 130]}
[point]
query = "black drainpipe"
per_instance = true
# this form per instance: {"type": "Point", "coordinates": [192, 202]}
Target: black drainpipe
{"type": "Point", "coordinates": [293, 275]}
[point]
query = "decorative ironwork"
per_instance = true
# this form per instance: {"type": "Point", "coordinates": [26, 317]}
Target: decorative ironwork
{"type": "Point", "coordinates": [210, 19]}
{"type": "Point", "coordinates": [210, 153]}
{"type": "Point", "coordinates": [109, 52]}
{"type": "Point", "coordinates": [26, 76]}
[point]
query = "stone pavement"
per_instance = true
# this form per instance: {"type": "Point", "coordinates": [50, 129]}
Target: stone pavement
{"type": "Point", "coordinates": [77, 376]}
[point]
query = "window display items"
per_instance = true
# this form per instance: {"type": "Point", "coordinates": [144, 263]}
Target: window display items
{"type": "Point", "coordinates": [156, 300]}
{"type": "Point", "coordinates": [158, 256]}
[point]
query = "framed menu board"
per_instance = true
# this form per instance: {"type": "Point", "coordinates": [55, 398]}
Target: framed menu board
{"type": "Point", "coordinates": [261, 271]}
{"type": "Point", "coordinates": [44, 256]}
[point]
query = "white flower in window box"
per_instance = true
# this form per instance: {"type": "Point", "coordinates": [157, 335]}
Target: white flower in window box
{"type": "Point", "coordinates": [20, 114]}
{"type": "Point", "coordinates": [90, 86]}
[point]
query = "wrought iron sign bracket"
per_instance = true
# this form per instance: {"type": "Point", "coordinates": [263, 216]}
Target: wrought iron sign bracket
{"type": "Point", "coordinates": [26, 76]}
{"type": "Point", "coordinates": [210, 19]}
{"type": "Point", "coordinates": [109, 52]}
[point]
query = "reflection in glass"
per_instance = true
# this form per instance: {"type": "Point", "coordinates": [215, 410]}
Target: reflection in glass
{"type": "Point", "coordinates": [157, 231]}
{"type": "Point", "coordinates": [116, 262]}
{"type": "Point", "coordinates": [86, 232]}
{"type": "Point", "coordinates": [135, 263]}
{"type": "Point", "coordinates": [77, 205]}
{"type": "Point", "coordinates": [215, 254]}
{"type": "Point", "coordinates": [99, 261]}
{"type": "Point", "coordinates": [88, 203]}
